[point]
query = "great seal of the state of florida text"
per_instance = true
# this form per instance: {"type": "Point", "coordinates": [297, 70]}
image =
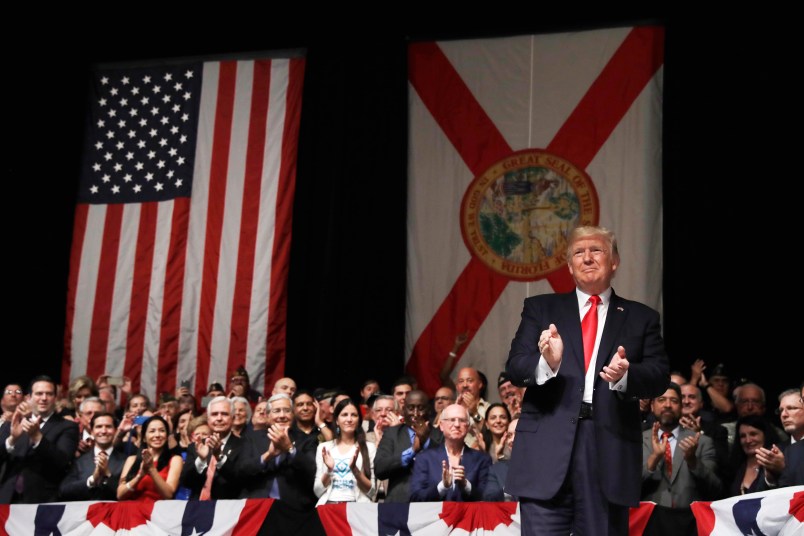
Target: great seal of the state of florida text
{"type": "Point", "coordinates": [516, 216]}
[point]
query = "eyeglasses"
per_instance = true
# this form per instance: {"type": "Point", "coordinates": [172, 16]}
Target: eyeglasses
{"type": "Point", "coordinates": [779, 411]}
{"type": "Point", "coordinates": [442, 398]}
{"type": "Point", "coordinates": [13, 391]}
{"type": "Point", "coordinates": [281, 410]}
{"type": "Point", "coordinates": [457, 421]}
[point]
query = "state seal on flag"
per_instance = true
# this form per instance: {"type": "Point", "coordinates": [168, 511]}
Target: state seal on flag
{"type": "Point", "coordinates": [516, 216]}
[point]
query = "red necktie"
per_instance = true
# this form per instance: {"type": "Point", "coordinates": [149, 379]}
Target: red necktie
{"type": "Point", "coordinates": [668, 454]}
{"type": "Point", "coordinates": [206, 491]}
{"type": "Point", "coordinates": [589, 329]}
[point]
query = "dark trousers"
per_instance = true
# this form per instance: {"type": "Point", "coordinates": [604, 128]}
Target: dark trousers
{"type": "Point", "coordinates": [579, 508]}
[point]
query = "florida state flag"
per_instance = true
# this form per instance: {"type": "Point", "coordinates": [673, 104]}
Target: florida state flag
{"type": "Point", "coordinates": [513, 142]}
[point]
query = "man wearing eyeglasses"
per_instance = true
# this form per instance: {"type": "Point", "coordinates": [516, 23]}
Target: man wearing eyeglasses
{"type": "Point", "coordinates": [576, 463]}
{"type": "Point", "coordinates": [452, 471]}
{"type": "Point", "coordinates": [12, 396]}
{"type": "Point", "coordinates": [402, 443]}
{"type": "Point", "coordinates": [280, 464]}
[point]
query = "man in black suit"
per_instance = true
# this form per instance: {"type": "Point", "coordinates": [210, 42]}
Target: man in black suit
{"type": "Point", "coordinates": [401, 443]}
{"type": "Point", "coordinates": [279, 463]}
{"type": "Point", "coordinates": [576, 463]}
{"type": "Point", "coordinates": [95, 474]}
{"type": "Point", "coordinates": [36, 447]}
{"type": "Point", "coordinates": [210, 470]}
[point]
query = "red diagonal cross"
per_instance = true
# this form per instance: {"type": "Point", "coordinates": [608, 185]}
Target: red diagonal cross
{"type": "Point", "coordinates": [480, 144]}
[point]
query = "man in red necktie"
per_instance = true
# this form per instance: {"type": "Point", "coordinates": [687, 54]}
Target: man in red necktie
{"type": "Point", "coordinates": [678, 465]}
{"type": "Point", "coordinates": [576, 463]}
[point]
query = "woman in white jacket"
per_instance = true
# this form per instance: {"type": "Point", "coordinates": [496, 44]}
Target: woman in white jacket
{"type": "Point", "coordinates": [345, 465]}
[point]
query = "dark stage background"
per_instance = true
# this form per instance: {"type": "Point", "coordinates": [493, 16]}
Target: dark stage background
{"type": "Point", "coordinates": [729, 185]}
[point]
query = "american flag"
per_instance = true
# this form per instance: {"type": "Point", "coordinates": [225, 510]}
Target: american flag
{"type": "Point", "coordinates": [182, 231]}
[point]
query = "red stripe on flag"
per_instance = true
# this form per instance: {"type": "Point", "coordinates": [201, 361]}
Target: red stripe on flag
{"type": "Point", "coordinates": [250, 212]}
{"type": "Point", "coordinates": [140, 287]}
{"type": "Point", "coordinates": [465, 308]}
{"type": "Point", "coordinates": [252, 516]}
{"type": "Point", "coordinates": [104, 292]}
{"type": "Point", "coordinates": [469, 128]}
{"type": "Point", "coordinates": [276, 340]}
{"type": "Point", "coordinates": [334, 519]}
{"type": "Point", "coordinates": [219, 164]}
{"type": "Point", "coordinates": [79, 231]}
{"type": "Point", "coordinates": [465, 123]}
{"type": "Point", "coordinates": [174, 290]}
{"type": "Point", "coordinates": [610, 96]}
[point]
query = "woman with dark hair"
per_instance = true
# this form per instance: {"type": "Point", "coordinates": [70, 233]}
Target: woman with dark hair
{"type": "Point", "coordinates": [752, 433]}
{"type": "Point", "coordinates": [345, 465]}
{"type": "Point", "coordinates": [153, 473]}
{"type": "Point", "coordinates": [495, 431]}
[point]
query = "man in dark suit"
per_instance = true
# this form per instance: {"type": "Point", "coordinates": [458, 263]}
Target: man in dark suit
{"type": "Point", "coordinates": [400, 444]}
{"type": "Point", "coordinates": [36, 447]}
{"type": "Point", "coordinates": [279, 463]}
{"type": "Point", "coordinates": [95, 474]}
{"type": "Point", "coordinates": [576, 462]}
{"type": "Point", "coordinates": [453, 472]}
{"type": "Point", "coordinates": [691, 474]}
{"type": "Point", "coordinates": [214, 457]}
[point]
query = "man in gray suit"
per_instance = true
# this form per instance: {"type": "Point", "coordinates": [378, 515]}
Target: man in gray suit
{"type": "Point", "coordinates": [95, 474]}
{"type": "Point", "coordinates": [678, 465]}
{"type": "Point", "coordinates": [400, 444]}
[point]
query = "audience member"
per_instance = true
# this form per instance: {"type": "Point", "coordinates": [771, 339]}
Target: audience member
{"type": "Point", "coordinates": [402, 386]}
{"type": "Point", "coordinates": [678, 465]}
{"type": "Point", "coordinates": [716, 390]}
{"type": "Point", "coordinates": [444, 396]}
{"type": "Point", "coordinates": [495, 490]}
{"type": "Point", "coordinates": [241, 416]}
{"type": "Point", "coordinates": [210, 471]}
{"type": "Point", "coordinates": [345, 465]}
{"type": "Point", "coordinates": [470, 385]}
{"type": "Point", "coordinates": [383, 415]}
{"type": "Point", "coordinates": [754, 432]}
{"type": "Point", "coordinates": [240, 385]}
{"type": "Point", "coordinates": [37, 447]}
{"type": "Point", "coordinates": [284, 385]}
{"type": "Point", "coordinates": [86, 410]}
{"type": "Point", "coordinates": [510, 394]}
{"type": "Point", "coordinates": [492, 439]}
{"type": "Point", "coordinates": [451, 472]}
{"type": "Point", "coordinates": [95, 475]}
{"type": "Point", "coordinates": [12, 396]}
{"type": "Point", "coordinates": [279, 464]}
{"type": "Point", "coordinates": [153, 473]}
{"type": "Point", "coordinates": [401, 443]}
{"type": "Point", "coordinates": [308, 420]}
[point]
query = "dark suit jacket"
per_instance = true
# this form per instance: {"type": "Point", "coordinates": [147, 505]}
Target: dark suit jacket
{"type": "Point", "coordinates": [495, 489]}
{"type": "Point", "coordinates": [388, 461]}
{"type": "Point", "coordinates": [74, 486]}
{"type": "Point", "coordinates": [549, 420]}
{"type": "Point", "coordinates": [684, 485]}
{"type": "Point", "coordinates": [427, 474]}
{"type": "Point", "coordinates": [225, 484]}
{"type": "Point", "coordinates": [793, 474]}
{"type": "Point", "coordinates": [42, 468]}
{"type": "Point", "coordinates": [294, 474]}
